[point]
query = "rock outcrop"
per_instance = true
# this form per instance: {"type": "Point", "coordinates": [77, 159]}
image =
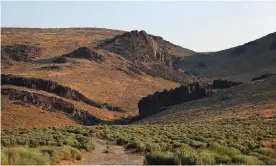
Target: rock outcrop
{"type": "Point", "coordinates": [52, 67]}
{"type": "Point", "coordinates": [153, 104]}
{"type": "Point", "coordinates": [139, 47]}
{"type": "Point", "coordinates": [48, 103]}
{"type": "Point", "coordinates": [222, 84]}
{"type": "Point", "coordinates": [60, 59]}
{"type": "Point", "coordinates": [263, 76]}
{"type": "Point", "coordinates": [151, 54]}
{"type": "Point", "coordinates": [54, 87]}
{"type": "Point", "coordinates": [20, 52]}
{"type": "Point", "coordinates": [85, 53]}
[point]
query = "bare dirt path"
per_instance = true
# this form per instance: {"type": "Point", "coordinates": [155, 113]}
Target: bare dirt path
{"type": "Point", "coordinates": [106, 153]}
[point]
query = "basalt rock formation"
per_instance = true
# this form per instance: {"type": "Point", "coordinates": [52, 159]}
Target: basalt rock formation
{"type": "Point", "coordinates": [52, 67]}
{"type": "Point", "coordinates": [138, 47]}
{"type": "Point", "coordinates": [153, 104]}
{"type": "Point", "coordinates": [60, 60]}
{"type": "Point", "coordinates": [151, 54]}
{"type": "Point", "coordinates": [48, 103]}
{"type": "Point", "coordinates": [54, 87]}
{"type": "Point", "coordinates": [263, 76]}
{"type": "Point", "coordinates": [20, 52]}
{"type": "Point", "coordinates": [85, 53]}
{"type": "Point", "coordinates": [222, 84]}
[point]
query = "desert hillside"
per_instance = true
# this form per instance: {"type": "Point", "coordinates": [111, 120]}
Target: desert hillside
{"type": "Point", "coordinates": [59, 85]}
{"type": "Point", "coordinates": [248, 100]}
{"type": "Point", "coordinates": [239, 63]}
{"type": "Point", "coordinates": [84, 60]}
{"type": "Point", "coordinates": [107, 72]}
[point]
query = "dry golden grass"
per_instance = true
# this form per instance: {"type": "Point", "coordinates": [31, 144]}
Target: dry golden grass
{"type": "Point", "coordinates": [56, 41]}
{"type": "Point", "coordinates": [15, 115]}
{"type": "Point", "coordinates": [101, 82]}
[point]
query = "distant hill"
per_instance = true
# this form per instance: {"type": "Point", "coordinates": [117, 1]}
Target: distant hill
{"type": "Point", "coordinates": [239, 63]}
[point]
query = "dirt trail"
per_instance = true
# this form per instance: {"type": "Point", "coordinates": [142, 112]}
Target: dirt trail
{"type": "Point", "coordinates": [106, 153]}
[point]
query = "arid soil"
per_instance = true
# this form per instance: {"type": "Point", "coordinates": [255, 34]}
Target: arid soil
{"type": "Point", "coordinates": [107, 153]}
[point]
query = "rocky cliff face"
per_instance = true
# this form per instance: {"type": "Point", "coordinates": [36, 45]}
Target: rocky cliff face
{"type": "Point", "coordinates": [222, 84]}
{"type": "Point", "coordinates": [54, 87]}
{"type": "Point", "coordinates": [150, 54]}
{"type": "Point", "coordinates": [85, 53]}
{"type": "Point", "coordinates": [263, 76]}
{"type": "Point", "coordinates": [138, 47]}
{"type": "Point", "coordinates": [51, 104]}
{"type": "Point", "coordinates": [153, 103]}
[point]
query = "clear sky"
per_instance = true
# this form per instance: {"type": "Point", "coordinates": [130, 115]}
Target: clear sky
{"type": "Point", "coordinates": [200, 26]}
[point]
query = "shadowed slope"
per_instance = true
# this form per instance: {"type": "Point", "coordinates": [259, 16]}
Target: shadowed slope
{"type": "Point", "coordinates": [254, 98]}
{"type": "Point", "coordinates": [239, 63]}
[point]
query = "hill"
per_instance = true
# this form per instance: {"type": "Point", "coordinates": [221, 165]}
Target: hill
{"type": "Point", "coordinates": [151, 54]}
{"type": "Point", "coordinates": [78, 78]}
{"type": "Point", "coordinates": [239, 63]}
{"type": "Point", "coordinates": [80, 59]}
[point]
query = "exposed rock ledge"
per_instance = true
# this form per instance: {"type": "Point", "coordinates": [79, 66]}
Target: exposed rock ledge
{"type": "Point", "coordinates": [222, 84]}
{"type": "Point", "coordinates": [153, 104]}
{"type": "Point", "coordinates": [263, 76]}
{"type": "Point", "coordinates": [54, 87]}
{"type": "Point", "coordinates": [48, 103]}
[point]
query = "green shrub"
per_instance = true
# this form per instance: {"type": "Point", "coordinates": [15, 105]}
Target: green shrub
{"type": "Point", "coordinates": [5, 142]}
{"type": "Point", "coordinates": [267, 152]}
{"type": "Point", "coordinates": [223, 159]}
{"type": "Point", "coordinates": [4, 159]}
{"type": "Point", "coordinates": [271, 162]}
{"type": "Point", "coordinates": [197, 144]}
{"type": "Point", "coordinates": [166, 147]}
{"type": "Point", "coordinates": [251, 160]}
{"type": "Point", "coordinates": [238, 159]}
{"type": "Point", "coordinates": [160, 158]}
{"type": "Point", "coordinates": [185, 156]}
{"type": "Point", "coordinates": [239, 147]}
{"type": "Point", "coordinates": [151, 147]}
{"type": "Point", "coordinates": [205, 157]}
{"type": "Point", "coordinates": [61, 153]}
{"type": "Point", "coordinates": [22, 156]}
{"type": "Point", "coordinates": [122, 140]}
{"type": "Point", "coordinates": [140, 147]}
{"type": "Point", "coordinates": [47, 150]}
{"type": "Point", "coordinates": [222, 150]}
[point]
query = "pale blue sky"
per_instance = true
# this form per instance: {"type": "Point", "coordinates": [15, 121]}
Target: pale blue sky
{"type": "Point", "coordinates": [200, 26]}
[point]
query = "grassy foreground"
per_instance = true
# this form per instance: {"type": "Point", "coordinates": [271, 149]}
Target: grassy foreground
{"type": "Point", "coordinates": [43, 146]}
{"type": "Point", "coordinates": [235, 141]}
